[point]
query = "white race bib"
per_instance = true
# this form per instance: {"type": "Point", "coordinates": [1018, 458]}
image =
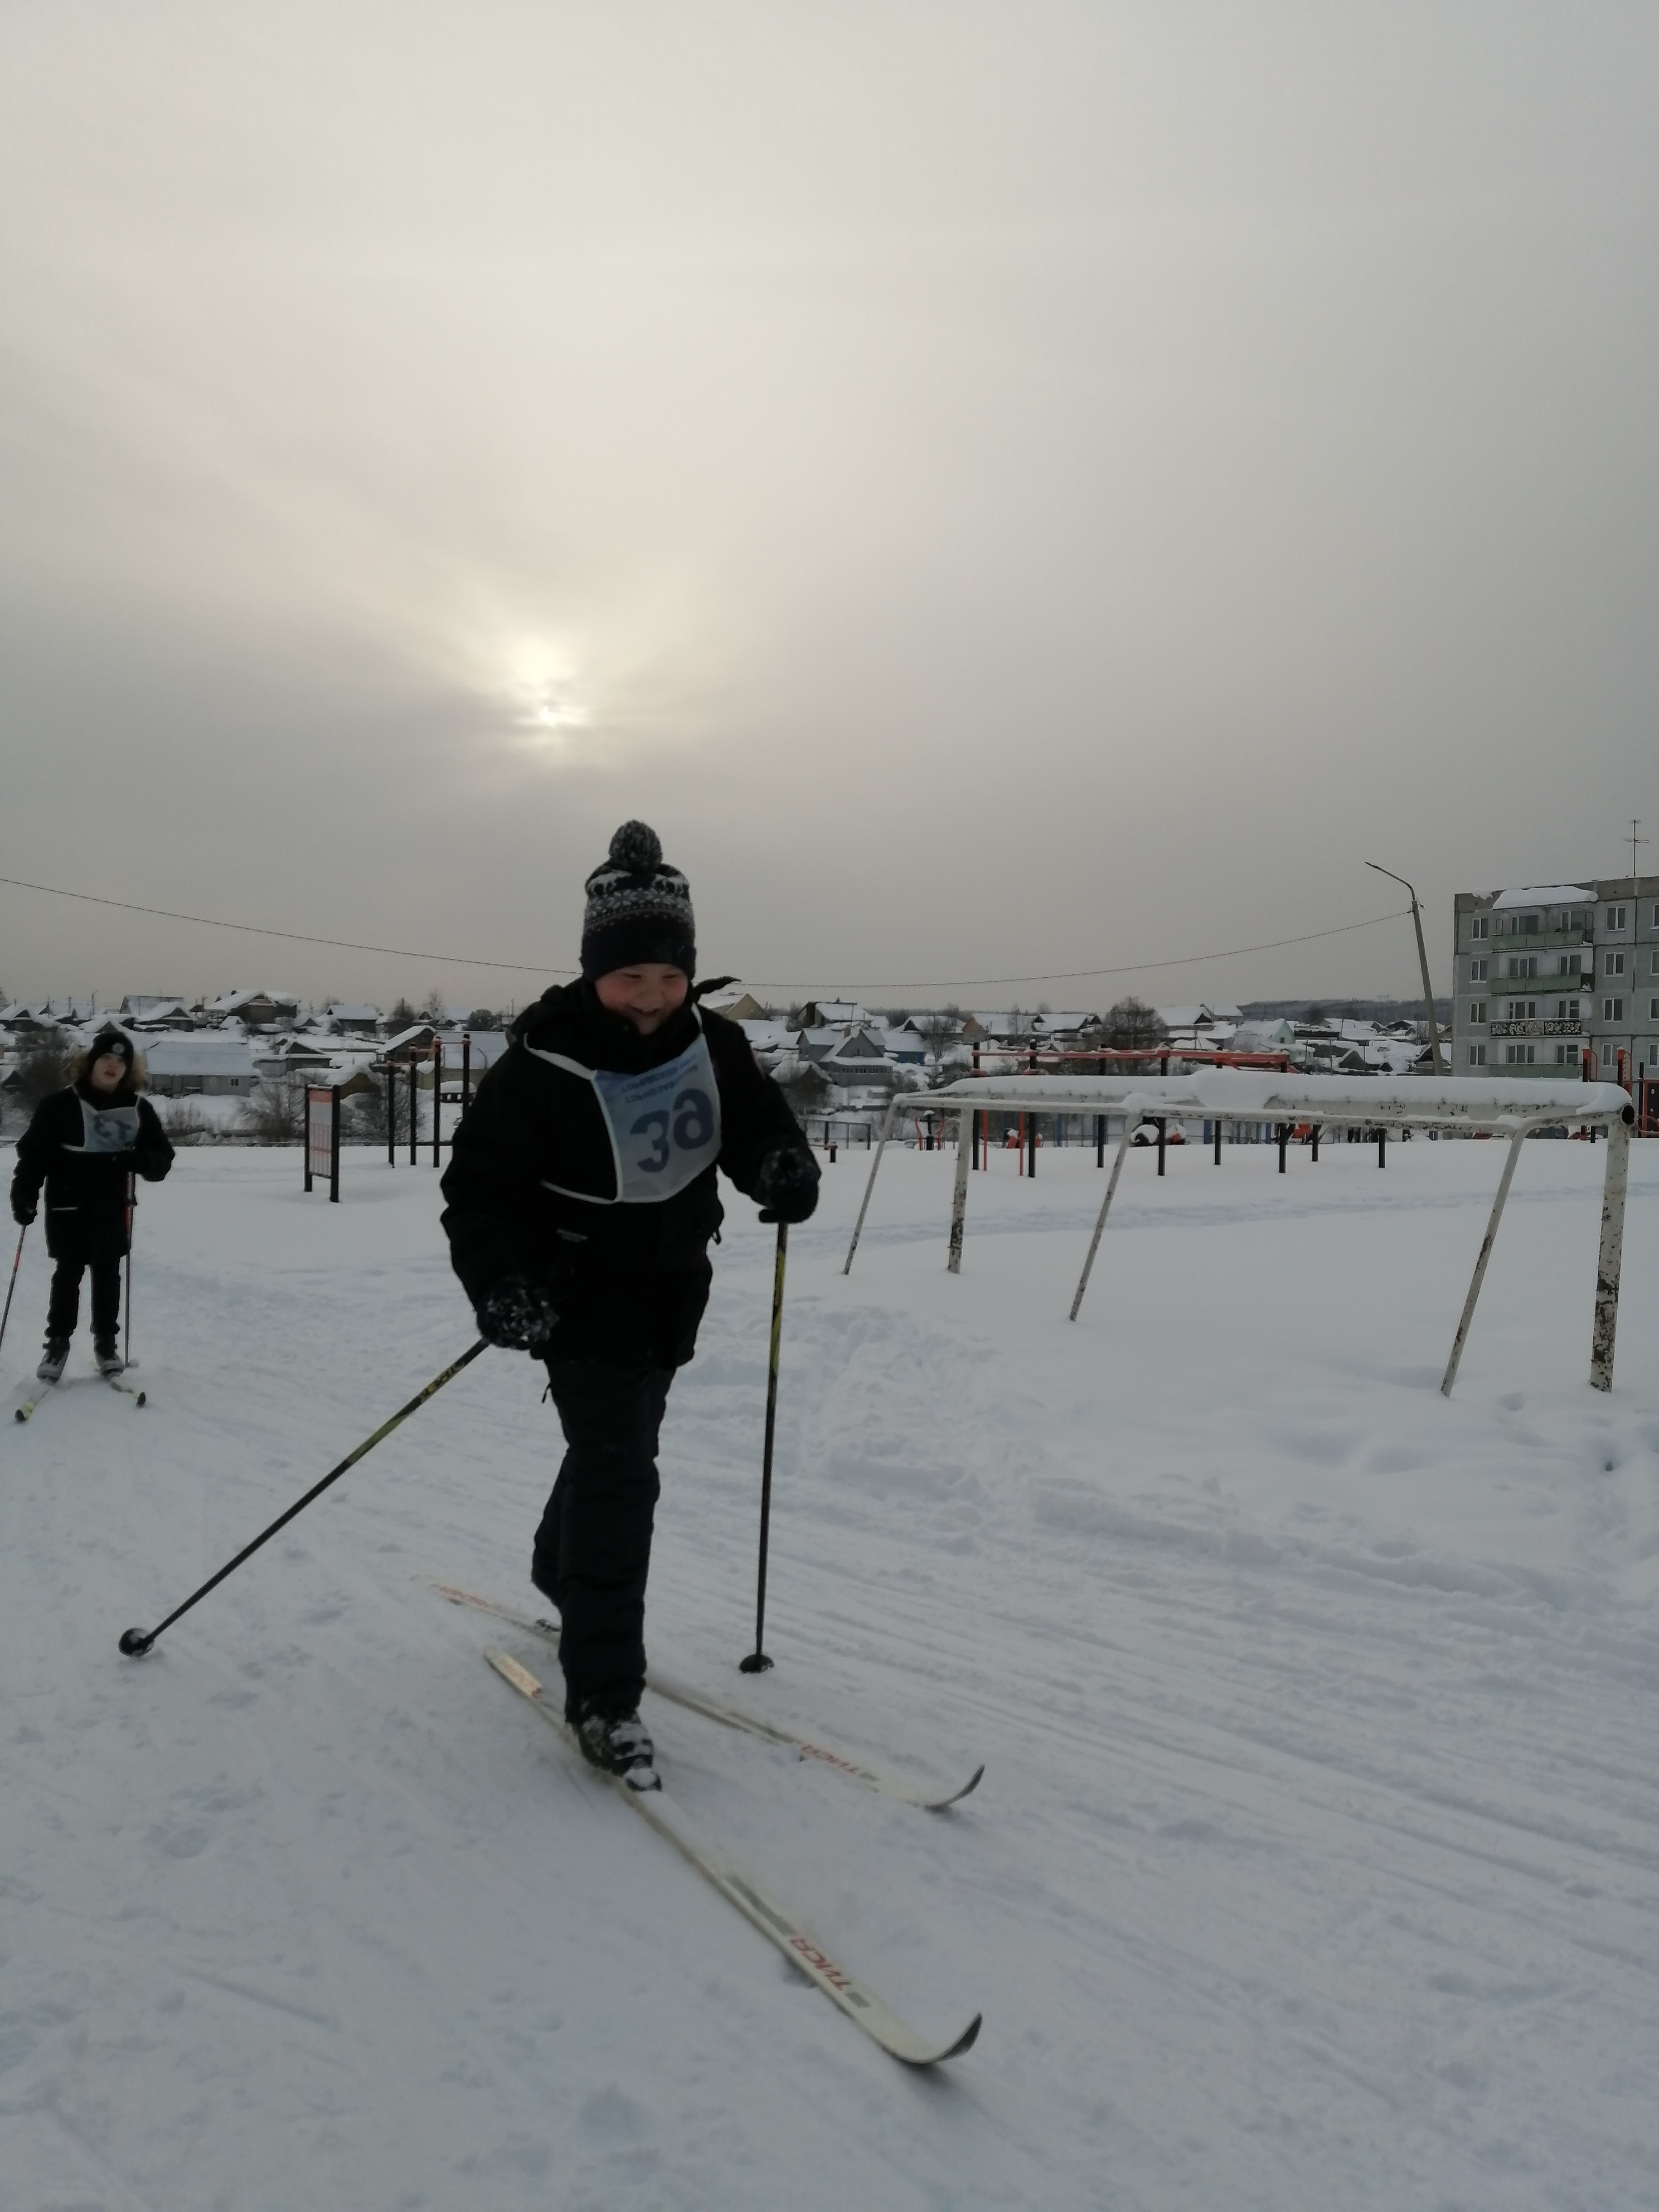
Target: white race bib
{"type": "Point", "coordinates": [664, 1126]}
{"type": "Point", "coordinates": [115, 1129]}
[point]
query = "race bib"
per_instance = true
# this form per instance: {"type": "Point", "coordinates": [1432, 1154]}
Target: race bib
{"type": "Point", "coordinates": [115, 1129]}
{"type": "Point", "coordinates": [665, 1125]}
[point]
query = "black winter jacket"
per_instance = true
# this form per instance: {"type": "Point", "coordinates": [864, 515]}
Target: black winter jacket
{"type": "Point", "coordinates": [86, 1186]}
{"type": "Point", "coordinates": [532, 1184]}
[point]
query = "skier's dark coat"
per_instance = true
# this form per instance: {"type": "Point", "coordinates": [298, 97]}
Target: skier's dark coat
{"type": "Point", "coordinates": [86, 1208]}
{"type": "Point", "coordinates": [630, 1281]}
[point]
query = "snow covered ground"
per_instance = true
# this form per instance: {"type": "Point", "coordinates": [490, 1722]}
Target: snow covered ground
{"type": "Point", "coordinates": [1317, 1858]}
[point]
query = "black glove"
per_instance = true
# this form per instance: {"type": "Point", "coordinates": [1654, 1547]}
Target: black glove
{"type": "Point", "coordinates": [788, 1185]}
{"type": "Point", "coordinates": [22, 1212]}
{"type": "Point", "coordinates": [517, 1314]}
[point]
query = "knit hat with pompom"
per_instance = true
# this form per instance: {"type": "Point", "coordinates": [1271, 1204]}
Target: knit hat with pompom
{"type": "Point", "coordinates": [639, 908]}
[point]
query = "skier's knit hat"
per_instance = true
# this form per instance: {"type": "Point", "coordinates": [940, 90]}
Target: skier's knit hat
{"type": "Point", "coordinates": [639, 908]}
{"type": "Point", "coordinates": [111, 1040]}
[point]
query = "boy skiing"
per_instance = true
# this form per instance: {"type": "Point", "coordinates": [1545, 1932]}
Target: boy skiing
{"type": "Point", "coordinates": [83, 1144]}
{"type": "Point", "coordinates": [581, 1199]}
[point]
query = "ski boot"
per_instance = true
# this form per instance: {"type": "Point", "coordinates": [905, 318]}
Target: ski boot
{"type": "Point", "coordinates": [52, 1364]}
{"type": "Point", "coordinates": [617, 1743]}
{"type": "Point", "coordinates": [109, 1360]}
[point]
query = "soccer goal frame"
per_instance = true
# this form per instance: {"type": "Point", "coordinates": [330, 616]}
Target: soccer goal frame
{"type": "Point", "coordinates": [1516, 1109]}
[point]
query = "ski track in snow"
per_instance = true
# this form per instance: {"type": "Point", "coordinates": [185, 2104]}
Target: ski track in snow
{"type": "Point", "coordinates": [1316, 1860]}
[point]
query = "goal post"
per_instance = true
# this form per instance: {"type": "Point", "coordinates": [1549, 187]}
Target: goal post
{"type": "Point", "coordinates": [1515, 1109]}
{"type": "Point", "coordinates": [323, 1136]}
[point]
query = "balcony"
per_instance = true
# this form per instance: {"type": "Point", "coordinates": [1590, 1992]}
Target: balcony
{"type": "Point", "coordinates": [1538, 1028]}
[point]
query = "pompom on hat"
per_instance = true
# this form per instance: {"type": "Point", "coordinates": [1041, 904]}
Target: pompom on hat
{"type": "Point", "coordinates": [639, 907]}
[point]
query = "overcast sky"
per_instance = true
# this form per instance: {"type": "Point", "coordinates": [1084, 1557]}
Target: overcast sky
{"type": "Point", "coordinates": [1004, 489]}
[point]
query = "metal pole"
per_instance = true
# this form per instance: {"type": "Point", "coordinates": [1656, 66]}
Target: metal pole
{"type": "Point", "coordinates": [1609, 1254]}
{"type": "Point", "coordinates": [1315, 1141]}
{"type": "Point", "coordinates": [967, 1123]}
{"type": "Point", "coordinates": [132, 1202]}
{"type": "Point", "coordinates": [136, 1641]}
{"type": "Point", "coordinates": [757, 1662]}
{"type": "Point", "coordinates": [466, 1072]}
{"type": "Point", "coordinates": [306, 1095]}
{"type": "Point", "coordinates": [1218, 1140]}
{"type": "Point", "coordinates": [437, 1093]}
{"type": "Point", "coordinates": [1163, 1127]}
{"type": "Point", "coordinates": [1030, 1142]}
{"type": "Point", "coordinates": [1381, 1148]}
{"type": "Point", "coordinates": [392, 1113]}
{"type": "Point", "coordinates": [1105, 1208]}
{"type": "Point", "coordinates": [1515, 1143]}
{"type": "Point", "coordinates": [1423, 963]}
{"type": "Point", "coordinates": [875, 1168]}
{"type": "Point", "coordinates": [1284, 1135]}
{"type": "Point", "coordinates": [334, 1144]}
{"type": "Point", "coordinates": [12, 1285]}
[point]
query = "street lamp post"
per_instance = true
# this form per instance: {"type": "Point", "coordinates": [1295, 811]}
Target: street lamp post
{"type": "Point", "coordinates": [1423, 958]}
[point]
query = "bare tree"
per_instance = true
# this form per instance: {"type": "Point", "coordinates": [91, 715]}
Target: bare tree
{"type": "Point", "coordinates": [435, 1008]}
{"type": "Point", "coordinates": [42, 1068]}
{"type": "Point", "coordinates": [402, 1017]}
{"type": "Point", "coordinates": [940, 1028]}
{"type": "Point", "coordinates": [275, 1113]}
{"type": "Point", "coordinates": [1132, 1026]}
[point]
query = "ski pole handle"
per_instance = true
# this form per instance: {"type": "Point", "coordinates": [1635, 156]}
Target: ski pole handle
{"type": "Point", "coordinates": [136, 1641]}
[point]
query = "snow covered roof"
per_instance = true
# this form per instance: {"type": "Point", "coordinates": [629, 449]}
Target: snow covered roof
{"type": "Point", "coordinates": [198, 1053]}
{"type": "Point", "coordinates": [1547, 895]}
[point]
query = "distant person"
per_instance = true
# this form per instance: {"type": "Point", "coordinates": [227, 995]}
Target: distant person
{"type": "Point", "coordinates": [83, 1145]}
{"type": "Point", "coordinates": [582, 1200]}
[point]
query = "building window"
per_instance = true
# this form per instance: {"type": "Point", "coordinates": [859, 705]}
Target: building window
{"type": "Point", "coordinates": [1567, 963]}
{"type": "Point", "coordinates": [1527, 925]}
{"type": "Point", "coordinates": [1480, 926]}
{"type": "Point", "coordinates": [1525, 963]}
{"type": "Point", "coordinates": [1613, 1009]}
{"type": "Point", "coordinates": [1523, 1010]}
{"type": "Point", "coordinates": [1478, 968]}
{"type": "Point", "coordinates": [1653, 1009]}
{"type": "Point", "coordinates": [1618, 917]}
{"type": "Point", "coordinates": [1520, 1055]}
{"type": "Point", "coordinates": [1565, 1054]}
{"type": "Point", "coordinates": [1565, 1009]}
{"type": "Point", "coordinates": [1613, 965]}
{"type": "Point", "coordinates": [1478, 1011]}
{"type": "Point", "coordinates": [1477, 1055]}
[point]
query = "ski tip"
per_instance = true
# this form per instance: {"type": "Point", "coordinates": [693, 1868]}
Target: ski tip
{"type": "Point", "coordinates": [967, 2039]}
{"type": "Point", "coordinates": [966, 1790]}
{"type": "Point", "coordinates": [144, 1401]}
{"type": "Point", "coordinates": [18, 1414]}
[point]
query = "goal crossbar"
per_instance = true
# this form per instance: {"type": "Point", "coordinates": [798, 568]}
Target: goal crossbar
{"type": "Point", "coordinates": [1515, 1109]}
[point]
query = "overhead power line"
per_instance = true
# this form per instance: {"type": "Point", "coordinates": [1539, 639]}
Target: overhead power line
{"type": "Point", "coordinates": [293, 936]}
{"type": "Point", "coordinates": [520, 968]}
{"type": "Point", "coordinates": [1085, 975]}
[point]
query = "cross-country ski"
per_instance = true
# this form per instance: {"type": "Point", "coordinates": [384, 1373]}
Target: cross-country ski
{"type": "Point", "coordinates": [780, 1928]}
{"type": "Point", "coordinates": [659, 1683]}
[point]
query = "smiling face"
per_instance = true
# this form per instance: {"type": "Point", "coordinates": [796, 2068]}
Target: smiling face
{"type": "Point", "coordinates": [108, 1072]}
{"type": "Point", "coordinates": [645, 994]}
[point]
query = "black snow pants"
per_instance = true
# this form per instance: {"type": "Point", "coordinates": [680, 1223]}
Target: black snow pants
{"type": "Point", "coordinates": [592, 1550]}
{"type": "Point", "coordinates": [63, 1308]}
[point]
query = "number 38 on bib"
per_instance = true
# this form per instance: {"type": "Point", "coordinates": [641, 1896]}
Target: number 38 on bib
{"type": "Point", "coordinates": [664, 1126]}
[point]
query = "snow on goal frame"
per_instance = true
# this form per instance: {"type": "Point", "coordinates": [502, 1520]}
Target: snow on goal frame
{"type": "Point", "coordinates": [1514, 1109]}
{"type": "Point", "coordinates": [323, 1136]}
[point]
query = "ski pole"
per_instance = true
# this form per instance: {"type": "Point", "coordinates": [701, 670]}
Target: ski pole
{"type": "Point", "coordinates": [136, 1641]}
{"type": "Point", "coordinates": [757, 1662]}
{"type": "Point", "coordinates": [12, 1285]}
{"type": "Point", "coordinates": [132, 1193]}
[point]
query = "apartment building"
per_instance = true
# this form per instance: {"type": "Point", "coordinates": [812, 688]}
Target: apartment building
{"type": "Point", "coordinates": [1543, 971]}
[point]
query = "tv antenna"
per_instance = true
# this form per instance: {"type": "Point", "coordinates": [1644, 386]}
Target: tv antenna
{"type": "Point", "coordinates": [1635, 825]}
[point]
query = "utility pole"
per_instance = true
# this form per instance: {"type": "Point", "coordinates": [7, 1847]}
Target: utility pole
{"type": "Point", "coordinates": [1423, 960]}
